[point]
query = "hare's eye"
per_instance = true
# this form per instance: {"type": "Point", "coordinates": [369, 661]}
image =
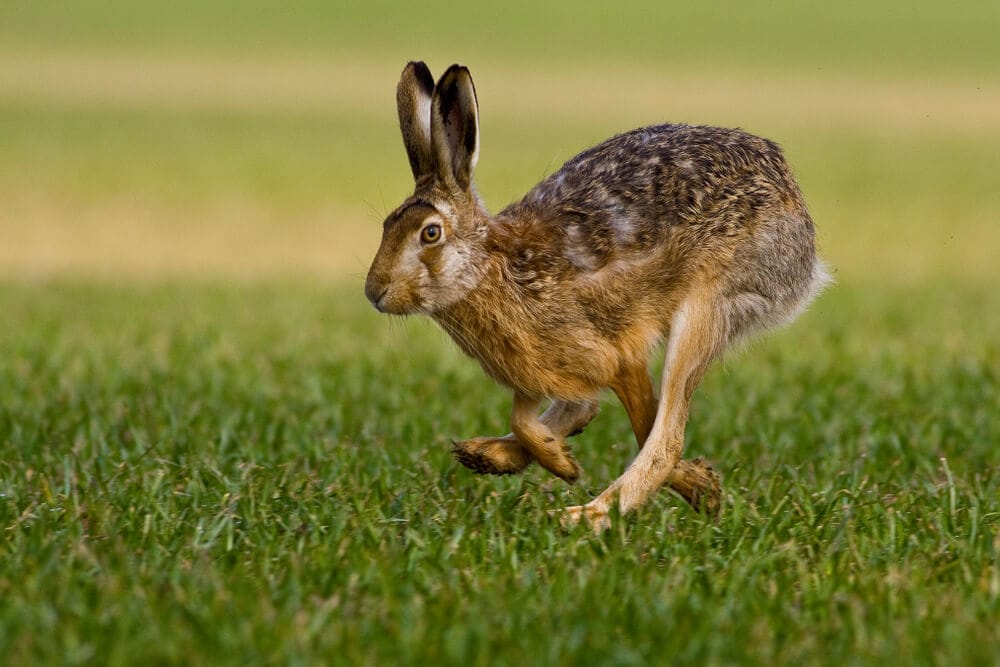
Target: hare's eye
{"type": "Point", "coordinates": [431, 234]}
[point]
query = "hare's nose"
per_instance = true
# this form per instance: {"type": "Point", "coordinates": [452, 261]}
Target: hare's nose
{"type": "Point", "coordinates": [378, 300]}
{"type": "Point", "coordinates": [375, 291]}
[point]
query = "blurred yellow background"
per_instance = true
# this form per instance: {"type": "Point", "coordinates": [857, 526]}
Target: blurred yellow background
{"type": "Point", "coordinates": [251, 141]}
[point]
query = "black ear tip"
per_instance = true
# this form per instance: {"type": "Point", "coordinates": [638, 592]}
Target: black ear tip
{"type": "Point", "coordinates": [419, 67]}
{"type": "Point", "coordinates": [422, 74]}
{"type": "Point", "coordinates": [453, 72]}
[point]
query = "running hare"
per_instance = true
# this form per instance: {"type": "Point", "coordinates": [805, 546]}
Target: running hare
{"type": "Point", "coordinates": [692, 236]}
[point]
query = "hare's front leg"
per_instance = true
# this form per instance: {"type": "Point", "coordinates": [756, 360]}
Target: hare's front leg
{"type": "Point", "coordinates": [508, 455]}
{"type": "Point", "coordinates": [697, 335]}
{"type": "Point", "coordinates": [546, 445]}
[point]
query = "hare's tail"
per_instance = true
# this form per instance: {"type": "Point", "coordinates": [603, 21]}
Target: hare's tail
{"type": "Point", "coordinates": [820, 280]}
{"type": "Point", "coordinates": [773, 278]}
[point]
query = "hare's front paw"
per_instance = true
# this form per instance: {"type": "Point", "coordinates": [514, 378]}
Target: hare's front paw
{"type": "Point", "coordinates": [596, 516]}
{"type": "Point", "coordinates": [491, 456]}
{"type": "Point", "coordinates": [557, 458]}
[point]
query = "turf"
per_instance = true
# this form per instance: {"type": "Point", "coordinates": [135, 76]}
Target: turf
{"type": "Point", "coordinates": [210, 475]}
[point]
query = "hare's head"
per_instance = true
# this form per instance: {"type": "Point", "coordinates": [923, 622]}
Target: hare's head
{"type": "Point", "coordinates": [432, 243]}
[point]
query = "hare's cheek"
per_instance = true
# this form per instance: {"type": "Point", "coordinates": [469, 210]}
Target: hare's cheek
{"type": "Point", "coordinates": [408, 267]}
{"type": "Point", "coordinates": [434, 262]}
{"type": "Point", "coordinates": [457, 267]}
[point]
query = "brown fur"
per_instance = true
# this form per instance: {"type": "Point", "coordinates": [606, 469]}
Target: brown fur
{"type": "Point", "coordinates": [693, 236]}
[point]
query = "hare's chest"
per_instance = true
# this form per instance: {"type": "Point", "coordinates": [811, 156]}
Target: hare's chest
{"type": "Point", "coordinates": [535, 361]}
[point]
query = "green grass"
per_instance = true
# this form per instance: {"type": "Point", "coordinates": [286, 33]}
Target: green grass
{"type": "Point", "coordinates": [209, 475]}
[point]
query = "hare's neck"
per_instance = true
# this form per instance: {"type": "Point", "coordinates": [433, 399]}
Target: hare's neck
{"type": "Point", "coordinates": [486, 322]}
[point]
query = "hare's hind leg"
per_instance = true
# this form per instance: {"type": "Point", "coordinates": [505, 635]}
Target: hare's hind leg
{"type": "Point", "coordinates": [569, 418]}
{"type": "Point", "coordinates": [695, 480]}
{"type": "Point", "coordinates": [507, 455]}
{"type": "Point", "coordinates": [697, 335]}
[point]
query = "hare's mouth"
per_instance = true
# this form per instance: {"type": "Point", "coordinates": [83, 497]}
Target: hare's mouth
{"type": "Point", "coordinates": [394, 303]}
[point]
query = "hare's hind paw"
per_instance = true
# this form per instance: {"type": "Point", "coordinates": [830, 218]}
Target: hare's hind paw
{"type": "Point", "coordinates": [699, 484]}
{"type": "Point", "coordinates": [597, 517]}
{"type": "Point", "coordinates": [583, 414]}
{"type": "Point", "coordinates": [491, 456]}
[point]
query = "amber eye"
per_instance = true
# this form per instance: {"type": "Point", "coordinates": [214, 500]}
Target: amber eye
{"type": "Point", "coordinates": [431, 234]}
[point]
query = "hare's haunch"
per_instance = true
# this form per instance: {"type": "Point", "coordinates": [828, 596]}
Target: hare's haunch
{"type": "Point", "coordinates": [689, 236]}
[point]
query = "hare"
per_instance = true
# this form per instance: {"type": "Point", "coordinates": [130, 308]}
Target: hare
{"type": "Point", "coordinates": [684, 235]}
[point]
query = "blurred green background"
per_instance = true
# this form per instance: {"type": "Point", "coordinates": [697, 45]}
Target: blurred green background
{"type": "Point", "coordinates": [249, 141]}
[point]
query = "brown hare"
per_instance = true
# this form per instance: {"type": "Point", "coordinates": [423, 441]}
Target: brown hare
{"type": "Point", "coordinates": [692, 236]}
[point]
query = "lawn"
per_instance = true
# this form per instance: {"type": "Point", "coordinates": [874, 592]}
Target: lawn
{"type": "Point", "coordinates": [211, 474]}
{"type": "Point", "coordinates": [214, 451]}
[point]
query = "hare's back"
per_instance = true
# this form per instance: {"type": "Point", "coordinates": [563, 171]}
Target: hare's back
{"type": "Point", "coordinates": [672, 172]}
{"type": "Point", "coordinates": [637, 190]}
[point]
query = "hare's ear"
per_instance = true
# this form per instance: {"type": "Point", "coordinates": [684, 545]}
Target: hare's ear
{"type": "Point", "coordinates": [413, 101]}
{"type": "Point", "coordinates": [455, 127]}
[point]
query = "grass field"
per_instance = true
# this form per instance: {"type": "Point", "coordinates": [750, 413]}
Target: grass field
{"type": "Point", "coordinates": [213, 451]}
{"type": "Point", "coordinates": [237, 474]}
